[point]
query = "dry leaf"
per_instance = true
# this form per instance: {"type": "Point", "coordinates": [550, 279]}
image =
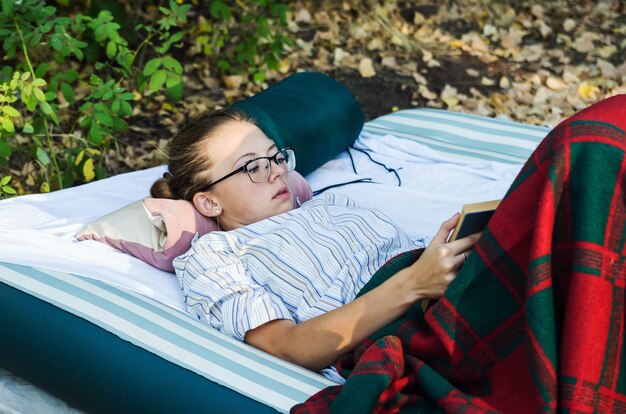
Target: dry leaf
{"type": "Point", "coordinates": [233, 81]}
{"type": "Point", "coordinates": [303, 16]}
{"type": "Point", "coordinates": [541, 96]}
{"type": "Point", "coordinates": [587, 91]}
{"type": "Point", "coordinates": [569, 25]}
{"type": "Point", "coordinates": [485, 81]}
{"type": "Point", "coordinates": [389, 61]}
{"type": "Point", "coordinates": [339, 56]}
{"type": "Point", "coordinates": [426, 93]}
{"type": "Point", "coordinates": [607, 70]}
{"type": "Point", "coordinates": [584, 43]}
{"type": "Point", "coordinates": [366, 68]}
{"type": "Point", "coordinates": [555, 84]}
{"type": "Point", "coordinates": [419, 78]}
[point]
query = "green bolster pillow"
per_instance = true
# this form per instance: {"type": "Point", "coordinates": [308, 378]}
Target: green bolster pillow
{"type": "Point", "coordinates": [310, 112]}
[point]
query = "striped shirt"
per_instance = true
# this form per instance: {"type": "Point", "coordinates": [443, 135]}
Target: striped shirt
{"type": "Point", "coordinates": [295, 266]}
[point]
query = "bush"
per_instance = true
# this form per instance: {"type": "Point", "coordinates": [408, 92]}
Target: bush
{"type": "Point", "coordinates": [68, 86]}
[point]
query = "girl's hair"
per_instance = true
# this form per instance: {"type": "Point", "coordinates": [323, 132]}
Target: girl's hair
{"type": "Point", "coordinates": [188, 161]}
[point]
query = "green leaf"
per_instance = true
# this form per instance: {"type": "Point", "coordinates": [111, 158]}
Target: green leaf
{"type": "Point", "coordinates": [68, 93]}
{"type": "Point", "coordinates": [5, 180]}
{"type": "Point", "coordinates": [47, 109]}
{"type": "Point", "coordinates": [42, 69]}
{"type": "Point", "coordinates": [28, 128]}
{"type": "Point", "coordinates": [175, 91]}
{"type": "Point", "coordinates": [176, 37]}
{"type": "Point", "coordinates": [41, 97]}
{"type": "Point", "coordinates": [173, 65]}
{"type": "Point", "coordinates": [5, 150]}
{"type": "Point", "coordinates": [9, 190]}
{"type": "Point", "coordinates": [111, 49]}
{"type": "Point", "coordinates": [10, 111]}
{"type": "Point", "coordinates": [31, 103]}
{"type": "Point", "coordinates": [152, 66]}
{"type": "Point", "coordinates": [259, 77]}
{"type": "Point", "coordinates": [39, 82]}
{"type": "Point", "coordinates": [57, 43]}
{"type": "Point", "coordinates": [220, 10]}
{"type": "Point", "coordinates": [157, 80]}
{"type": "Point", "coordinates": [126, 109]}
{"type": "Point", "coordinates": [95, 134]}
{"type": "Point", "coordinates": [115, 106]}
{"type": "Point", "coordinates": [7, 124]}
{"type": "Point", "coordinates": [104, 118]}
{"type": "Point", "coordinates": [42, 156]}
{"type": "Point", "coordinates": [7, 6]}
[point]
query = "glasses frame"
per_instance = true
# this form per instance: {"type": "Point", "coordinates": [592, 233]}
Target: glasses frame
{"type": "Point", "coordinates": [244, 168]}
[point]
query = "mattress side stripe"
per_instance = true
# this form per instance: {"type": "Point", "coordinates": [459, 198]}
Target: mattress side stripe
{"type": "Point", "coordinates": [33, 282]}
{"type": "Point", "coordinates": [453, 148]}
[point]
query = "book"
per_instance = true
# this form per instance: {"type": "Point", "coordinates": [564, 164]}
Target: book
{"type": "Point", "coordinates": [474, 218]}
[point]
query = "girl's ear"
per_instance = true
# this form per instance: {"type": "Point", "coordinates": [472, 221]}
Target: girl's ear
{"type": "Point", "coordinates": [206, 205]}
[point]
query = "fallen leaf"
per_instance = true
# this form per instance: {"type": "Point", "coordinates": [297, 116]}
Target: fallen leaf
{"type": "Point", "coordinates": [419, 79]}
{"type": "Point", "coordinates": [303, 16]}
{"type": "Point", "coordinates": [366, 68]}
{"type": "Point", "coordinates": [233, 81]}
{"type": "Point", "coordinates": [339, 56]}
{"type": "Point", "coordinates": [485, 81]}
{"type": "Point", "coordinates": [569, 25]}
{"type": "Point", "coordinates": [537, 11]}
{"type": "Point", "coordinates": [555, 84]}
{"type": "Point", "coordinates": [389, 61]}
{"type": "Point", "coordinates": [607, 70]}
{"type": "Point", "coordinates": [587, 91]}
{"type": "Point", "coordinates": [584, 43]}
{"type": "Point", "coordinates": [541, 96]}
{"type": "Point", "coordinates": [426, 93]}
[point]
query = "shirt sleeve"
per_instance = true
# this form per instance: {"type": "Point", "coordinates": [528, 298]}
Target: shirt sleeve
{"type": "Point", "coordinates": [219, 291]}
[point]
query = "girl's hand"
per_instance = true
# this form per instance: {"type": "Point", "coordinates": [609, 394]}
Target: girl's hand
{"type": "Point", "coordinates": [440, 262]}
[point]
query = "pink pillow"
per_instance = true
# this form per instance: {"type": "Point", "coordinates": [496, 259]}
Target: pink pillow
{"type": "Point", "coordinates": [156, 230]}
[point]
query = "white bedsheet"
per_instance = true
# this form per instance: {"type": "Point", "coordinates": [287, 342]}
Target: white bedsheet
{"type": "Point", "coordinates": [38, 230]}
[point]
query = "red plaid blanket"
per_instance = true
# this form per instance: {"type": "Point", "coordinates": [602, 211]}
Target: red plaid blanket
{"type": "Point", "coordinates": [534, 322]}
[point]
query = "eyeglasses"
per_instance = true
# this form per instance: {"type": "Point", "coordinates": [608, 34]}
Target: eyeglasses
{"type": "Point", "coordinates": [258, 169]}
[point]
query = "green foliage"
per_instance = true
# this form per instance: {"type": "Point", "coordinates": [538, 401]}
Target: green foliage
{"type": "Point", "coordinates": [244, 36]}
{"type": "Point", "coordinates": [77, 71]}
{"type": "Point", "coordinates": [59, 110]}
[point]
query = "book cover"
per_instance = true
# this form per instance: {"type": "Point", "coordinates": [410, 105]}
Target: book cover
{"type": "Point", "coordinates": [474, 218]}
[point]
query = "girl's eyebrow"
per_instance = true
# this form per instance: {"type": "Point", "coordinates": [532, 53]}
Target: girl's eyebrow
{"type": "Point", "coordinates": [251, 154]}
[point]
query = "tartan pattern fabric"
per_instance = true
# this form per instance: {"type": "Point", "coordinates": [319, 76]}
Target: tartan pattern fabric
{"type": "Point", "coordinates": [534, 321]}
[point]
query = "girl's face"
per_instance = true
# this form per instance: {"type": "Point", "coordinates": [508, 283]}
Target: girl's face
{"type": "Point", "coordinates": [238, 200]}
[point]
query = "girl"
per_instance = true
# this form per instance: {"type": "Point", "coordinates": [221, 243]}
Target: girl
{"type": "Point", "coordinates": [283, 279]}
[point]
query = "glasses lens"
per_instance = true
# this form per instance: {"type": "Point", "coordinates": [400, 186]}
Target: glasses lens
{"type": "Point", "coordinates": [288, 159]}
{"type": "Point", "coordinates": [258, 170]}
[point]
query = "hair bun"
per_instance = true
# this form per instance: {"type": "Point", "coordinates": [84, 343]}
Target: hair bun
{"type": "Point", "coordinates": [162, 188]}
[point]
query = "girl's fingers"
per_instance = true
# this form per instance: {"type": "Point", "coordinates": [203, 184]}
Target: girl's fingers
{"type": "Point", "coordinates": [463, 245]}
{"type": "Point", "coordinates": [446, 227]}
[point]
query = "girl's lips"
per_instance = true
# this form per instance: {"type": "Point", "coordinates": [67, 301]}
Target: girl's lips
{"type": "Point", "coordinates": [283, 193]}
